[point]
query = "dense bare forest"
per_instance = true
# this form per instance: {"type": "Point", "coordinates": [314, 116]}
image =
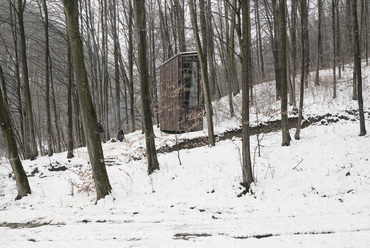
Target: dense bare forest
{"type": "Point", "coordinates": [195, 123]}
{"type": "Point", "coordinates": [239, 44]}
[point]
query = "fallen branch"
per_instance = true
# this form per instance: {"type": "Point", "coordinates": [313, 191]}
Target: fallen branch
{"type": "Point", "coordinates": [295, 167]}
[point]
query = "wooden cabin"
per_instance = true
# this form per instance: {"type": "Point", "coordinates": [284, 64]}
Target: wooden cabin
{"type": "Point", "coordinates": [181, 103]}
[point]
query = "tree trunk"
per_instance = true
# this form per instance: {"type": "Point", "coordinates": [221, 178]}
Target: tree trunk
{"type": "Point", "coordinates": [224, 34]}
{"type": "Point", "coordinates": [116, 67]}
{"type": "Point", "coordinates": [153, 70]}
{"type": "Point", "coordinates": [140, 20]}
{"type": "Point", "coordinates": [23, 186]}
{"type": "Point", "coordinates": [229, 48]}
{"type": "Point", "coordinates": [246, 80]}
{"type": "Point", "coordinates": [204, 71]}
{"type": "Point", "coordinates": [338, 41]}
{"type": "Point", "coordinates": [131, 66]}
{"type": "Point", "coordinates": [284, 77]}
{"type": "Point", "coordinates": [180, 13]}
{"type": "Point", "coordinates": [89, 119]}
{"type": "Point", "coordinates": [231, 51]}
{"type": "Point", "coordinates": [165, 34]}
{"type": "Point", "coordinates": [53, 99]}
{"type": "Point", "coordinates": [69, 104]}
{"type": "Point", "coordinates": [273, 29]}
{"type": "Point", "coordinates": [334, 50]}
{"type": "Point", "coordinates": [349, 31]}
{"type": "Point", "coordinates": [259, 33]}
{"type": "Point", "coordinates": [211, 53]}
{"type": "Point", "coordinates": [47, 80]}
{"type": "Point", "coordinates": [307, 45]}
{"type": "Point", "coordinates": [303, 71]}
{"type": "Point", "coordinates": [24, 148]}
{"type": "Point", "coordinates": [357, 61]}
{"type": "Point", "coordinates": [319, 43]}
{"type": "Point", "coordinates": [28, 114]}
{"type": "Point", "coordinates": [366, 33]}
{"type": "Point", "coordinates": [106, 86]}
{"type": "Point", "coordinates": [294, 49]}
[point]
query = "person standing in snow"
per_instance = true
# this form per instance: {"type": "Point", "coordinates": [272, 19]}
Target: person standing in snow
{"type": "Point", "coordinates": [120, 135]}
{"type": "Point", "coordinates": [101, 131]}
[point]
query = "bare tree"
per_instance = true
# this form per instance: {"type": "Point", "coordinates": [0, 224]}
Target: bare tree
{"type": "Point", "coordinates": [89, 119]}
{"type": "Point", "coordinates": [259, 42]}
{"type": "Point", "coordinates": [168, 50]}
{"type": "Point", "coordinates": [357, 61]}
{"type": "Point", "coordinates": [47, 78]}
{"type": "Point", "coordinates": [129, 16]}
{"type": "Point", "coordinates": [106, 86]}
{"type": "Point", "coordinates": [209, 33]}
{"type": "Point", "coordinates": [365, 24]}
{"type": "Point", "coordinates": [294, 7]}
{"type": "Point", "coordinates": [116, 53]}
{"type": "Point", "coordinates": [284, 77]}
{"type": "Point", "coordinates": [334, 3]}
{"type": "Point", "coordinates": [11, 144]}
{"type": "Point", "coordinates": [140, 21]}
{"type": "Point", "coordinates": [273, 26]}
{"type": "Point", "coordinates": [69, 103]}
{"type": "Point", "coordinates": [204, 70]}
{"type": "Point", "coordinates": [319, 42]}
{"type": "Point", "coordinates": [246, 80]}
{"type": "Point", "coordinates": [29, 131]}
{"type": "Point", "coordinates": [304, 26]}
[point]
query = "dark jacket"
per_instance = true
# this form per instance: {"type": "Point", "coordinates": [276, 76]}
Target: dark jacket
{"type": "Point", "coordinates": [100, 128]}
{"type": "Point", "coordinates": [120, 135]}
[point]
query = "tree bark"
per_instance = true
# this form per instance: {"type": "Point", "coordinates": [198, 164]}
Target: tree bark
{"type": "Point", "coordinates": [338, 41]}
{"type": "Point", "coordinates": [216, 94]}
{"type": "Point", "coordinates": [357, 61]}
{"type": "Point", "coordinates": [283, 70]}
{"type": "Point", "coordinates": [259, 33]}
{"type": "Point", "coordinates": [334, 50]}
{"type": "Point", "coordinates": [24, 148]}
{"type": "Point", "coordinates": [246, 80]}
{"type": "Point", "coordinates": [47, 80]}
{"type": "Point", "coordinates": [303, 71]}
{"type": "Point", "coordinates": [23, 186]}
{"type": "Point", "coordinates": [131, 66]}
{"type": "Point", "coordinates": [204, 71]}
{"type": "Point", "coordinates": [58, 130]}
{"type": "Point", "coordinates": [28, 113]}
{"type": "Point", "coordinates": [165, 34]}
{"type": "Point", "coordinates": [106, 85]}
{"type": "Point", "coordinates": [89, 119]}
{"type": "Point", "coordinates": [180, 15]}
{"type": "Point", "coordinates": [69, 104]}
{"type": "Point", "coordinates": [140, 20]}
{"type": "Point", "coordinates": [319, 42]}
{"type": "Point", "coordinates": [366, 32]}
{"type": "Point", "coordinates": [116, 66]}
{"type": "Point", "coordinates": [231, 50]}
{"type": "Point", "coordinates": [275, 48]}
{"type": "Point", "coordinates": [307, 41]}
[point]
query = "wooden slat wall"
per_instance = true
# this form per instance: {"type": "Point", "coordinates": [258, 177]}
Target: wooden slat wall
{"type": "Point", "coordinates": [173, 116]}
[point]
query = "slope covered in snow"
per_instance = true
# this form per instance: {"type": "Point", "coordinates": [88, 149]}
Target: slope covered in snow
{"type": "Point", "coordinates": [314, 193]}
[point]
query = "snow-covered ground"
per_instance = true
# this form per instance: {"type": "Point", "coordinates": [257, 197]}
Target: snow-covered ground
{"type": "Point", "coordinates": [313, 193]}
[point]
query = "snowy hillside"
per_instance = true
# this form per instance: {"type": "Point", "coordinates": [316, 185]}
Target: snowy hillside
{"type": "Point", "coordinates": [314, 193]}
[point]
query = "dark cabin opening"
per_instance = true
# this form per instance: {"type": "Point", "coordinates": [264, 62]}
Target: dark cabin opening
{"type": "Point", "coordinates": [190, 84]}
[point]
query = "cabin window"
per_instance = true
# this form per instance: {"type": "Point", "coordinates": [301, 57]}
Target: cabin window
{"type": "Point", "coordinates": [190, 84]}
